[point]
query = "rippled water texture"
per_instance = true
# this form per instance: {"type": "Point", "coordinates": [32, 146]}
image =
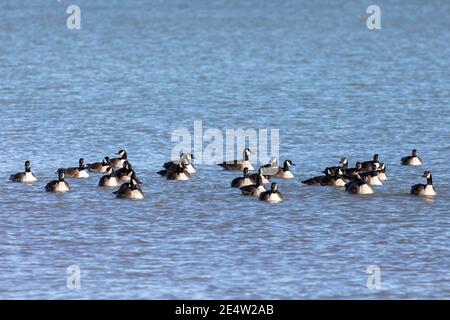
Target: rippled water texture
{"type": "Point", "coordinates": [137, 70]}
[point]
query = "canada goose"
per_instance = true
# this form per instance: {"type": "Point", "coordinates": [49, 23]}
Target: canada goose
{"type": "Point", "coordinates": [271, 168]}
{"type": "Point", "coordinates": [254, 177]}
{"type": "Point", "coordinates": [130, 190]}
{"type": "Point", "coordinates": [335, 180]}
{"type": "Point", "coordinates": [424, 189]}
{"type": "Point", "coordinates": [99, 167]}
{"type": "Point", "coordinates": [285, 172]}
{"type": "Point", "coordinates": [124, 174]}
{"type": "Point", "coordinates": [322, 180]}
{"type": "Point", "coordinates": [59, 185]}
{"type": "Point", "coordinates": [373, 177]}
{"type": "Point", "coordinates": [238, 165]}
{"type": "Point", "coordinates": [180, 173]}
{"type": "Point", "coordinates": [412, 160]}
{"type": "Point", "coordinates": [341, 169]}
{"type": "Point", "coordinates": [242, 181]}
{"type": "Point", "coordinates": [171, 168]}
{"type": "Point", "coordinates": [268, 170]}
{"type": "Point", "coordinates": [254, 189]}
{"type": "Point", "coordinates": [78, 173]}
{"type": "Point", "coordinates": [273, 163]}
{"type": "Point", "coordinates": [332, 179]}
{"type": "Point", "coordinates": [24, 177]}
{"type": "Point", "coordinates": [272, 195]}
{"type": "Point", "coordinates": [359, 186]}
{"type": "Point", "coordinates": [184, 157]}
{"type": "Point", "coordinates": [109, 180]}
{"type": "Point", "coordinates": [367, 165]}
{"type": "Point", "coordinates": [350, 173]}
{"type": "Point", "coordinates": [117, 163]}
{"type": "Point", "coordinates": [382, 175]}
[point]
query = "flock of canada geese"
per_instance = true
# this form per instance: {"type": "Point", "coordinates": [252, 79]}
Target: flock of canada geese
{"type": "Point", "coordinates": [118, 172]}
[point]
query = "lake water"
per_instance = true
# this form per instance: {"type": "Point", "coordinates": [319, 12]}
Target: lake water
{"type": "Point", "coordinates": [138, 70]}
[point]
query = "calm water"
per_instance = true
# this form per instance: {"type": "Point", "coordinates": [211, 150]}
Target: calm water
{"type": "Point", "coordinates": [137, 70]}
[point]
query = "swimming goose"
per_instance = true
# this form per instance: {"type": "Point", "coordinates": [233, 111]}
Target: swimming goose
{"type": "Point", "coordinates": [285, 172]}
{"type": "Point", "coordinates": [335, 180]}
{"type": "Point", "coordinates": [109, 180]}
{"type": "Point", "coordinates": [412, 160]}
{"type": "Point", "coordinates": [130, 190]}
{"type": "Point", "coordinates": [367, 165]}
{"type": "Point", "coordinates": [273, 195]}
{"type": "Point", "coordinates": [24, 177]}
{"type": "Point", "coordinates": [124, 174]}
{"type": "Point", "coordinates": [424, 189]}
{"type": "Point", "coordinates": [254, 177]}
{"type": "Point", "coordinates": [359, 186]}
{"type": "Point", "coordinates": [266, 171]}
{"type": "Point", "coordinates": [180, 173]}
{"type": "Point", "coordinates": [78, 173]}
{"type": "Point", "coordinates": [254, 189]}
{"type": "Point", "coordinates": [341, 169]}
{"type": "Point", "coordinates": [373, 177]}
{"type": "Point", "coordinates": [99, 167]}
{"type": "Point", "coordinates": [117, 163]}
{"type": "Point", "coordinates": [59, 185]}
{"type": "Point", "coordinates": [350, 173]}
{"type": "Point", "coordinates": [238, 165]}
{"type": "Point", "coordinates": [271, 168]}
{"type": "Point", "coordinates": [184, 157]}
{"type": "Point", "coordinates": [242, 181]}
{"type": "Point", "coordinates": [322, 180]}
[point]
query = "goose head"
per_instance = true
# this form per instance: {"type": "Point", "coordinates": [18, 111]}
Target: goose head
{"type": "Point", "coordinates": [61, 175]}
{"type": "Point", "coordinates": [274, 187]}
{"type": "Point", "coordinates": [289, 163]}
{"type": "Point", "coordinates": [344, 161]}
{"type": "Point", "coordinates": [122, 153]}
{"type": "Point", "coordinates": [81, 164]}
{"type": "Point", "coordinates": [427, 174]}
